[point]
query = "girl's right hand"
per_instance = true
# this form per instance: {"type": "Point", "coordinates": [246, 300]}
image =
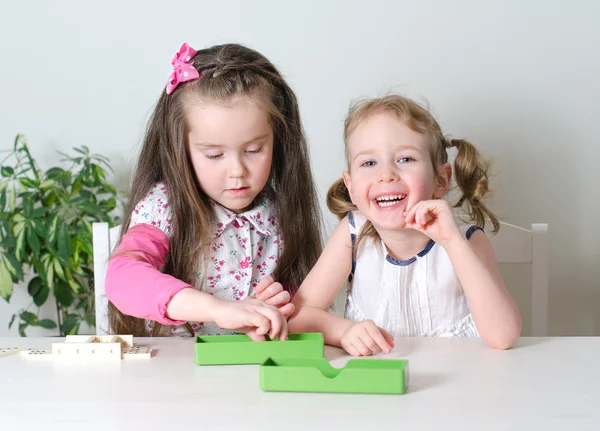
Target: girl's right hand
{"type": "Point", "coordinates": [364, 338]}
{"type": "Point", "coordinates": [253, 317]}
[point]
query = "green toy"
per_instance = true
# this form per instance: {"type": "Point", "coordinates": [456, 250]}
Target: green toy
{"type": "Point", "coordinates": [240, 349]}
{"type": "Point", "coordinates": [369, 376]}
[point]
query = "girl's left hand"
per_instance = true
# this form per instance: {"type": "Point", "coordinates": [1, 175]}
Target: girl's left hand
{"type": "Point", "coordinates": [272, 293]}
{"type": "Point", "coordinates": [435, 219]}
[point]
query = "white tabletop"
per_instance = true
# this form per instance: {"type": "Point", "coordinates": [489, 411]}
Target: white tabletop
{"type": "Point", "coordinates": [543, 383]}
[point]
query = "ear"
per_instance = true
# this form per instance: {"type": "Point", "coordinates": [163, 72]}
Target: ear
{"type": "Point", "coordinates": [348, 183]}
{"type": "Point", "coordinates": [443, 180]}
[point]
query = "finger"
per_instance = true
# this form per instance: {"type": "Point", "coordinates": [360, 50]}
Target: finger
{"type": "Point", "coordinates": [261, 323]}
{"type": "Point", "coordinates": [352, 350]}
{"type": "Point", "coordinates": [287, 310]}
{"type": "Point", "coordinates": [254, 336]}
{"type": "Point", "coordinates": [360, 346]}
{"type": "Point", "coordinates": [276, 320]}
{"type": "Point", "coordinates": [271, 291]}
{"type": "Point", "coordinates": [378, 337]}
{"type": "Point", "coordinates": [369, 342]}
{"type": "Point", "coordinates": [262, 285]}
{"type": "Point", "coordinates": [279, 299]}
{"type": "Point", "coordinates": [410, 214]}
{"type": "Point", "coordinates": [423, 215]}
{"type": "Point", "coordinates": [388, 337]}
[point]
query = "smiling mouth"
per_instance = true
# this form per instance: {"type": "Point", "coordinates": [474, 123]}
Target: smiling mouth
{"type": "Point", "coordinates": [389, 200]}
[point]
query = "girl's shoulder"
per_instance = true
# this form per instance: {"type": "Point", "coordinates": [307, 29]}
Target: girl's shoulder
{"type": "Point", "coordinates": [153, 209]}
{"type": "Point", "coordinates": [468, 229]}
{"type": "Point", "coordinates": [356, 221]}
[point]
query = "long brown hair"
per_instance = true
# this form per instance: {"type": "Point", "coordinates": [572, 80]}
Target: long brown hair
{"type": "Point", "coordinates": [226, 71]}
{"type": "Point", "coordinates": [470, 169]}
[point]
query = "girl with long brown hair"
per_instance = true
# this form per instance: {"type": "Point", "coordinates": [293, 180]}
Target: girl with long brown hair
{"type": "Point", "coordinates": [222, 204]}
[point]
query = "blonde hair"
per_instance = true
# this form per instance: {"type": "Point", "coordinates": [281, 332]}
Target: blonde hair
{"type": "Point", "coordinates": [471, 171]}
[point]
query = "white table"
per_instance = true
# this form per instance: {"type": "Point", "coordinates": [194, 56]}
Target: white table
{"type": "Point", "coordinates": [543, 383]}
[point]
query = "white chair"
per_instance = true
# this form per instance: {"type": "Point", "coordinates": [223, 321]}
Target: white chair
{"type": "Point", "coordinates": [104, 240]}
{"type": "Point", "coordinates": [513, 244]}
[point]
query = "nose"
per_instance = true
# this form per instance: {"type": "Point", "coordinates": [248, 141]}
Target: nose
{"type": "Point", "coordinates": [388, 173]}
{"type": "Point", "coordinates": [236, 168]}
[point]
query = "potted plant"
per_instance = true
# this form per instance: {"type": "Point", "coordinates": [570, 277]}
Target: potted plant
{"type": "Point", "coordinates": [46, 229]}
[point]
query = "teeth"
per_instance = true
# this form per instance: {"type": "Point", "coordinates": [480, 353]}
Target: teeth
{"type": "Point", "coordinates": [390, 198]}
{"type": "Point", "coordinates": [386, 201]}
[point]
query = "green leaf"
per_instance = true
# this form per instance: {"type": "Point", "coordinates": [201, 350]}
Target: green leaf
{"type": "Point", "coordinates": [47, 323]}
{"type": "Point", "coordinates": [7, 171]}
{"type": "Point", "coordinates": [33, 241]}
{"type": "Point", "coordinates": [28, 183]}
{"type": "Point", "coordinates": [54, 173]}
{"type": "Point", "coordinates": [58, 269]}
{"type": "Point", "coordinates": [13, 266]}
{"type": "Point", "coordinates": [52, 231]}
{"type": "Point", "coordinates": [42, 296]}
{"type": "Point", "coordinates": [12, 200]}
{"type": "Point", "coordinates": [12, 320]}
{"type": "Point", "coordinates": [27, 208]}
{"type": "Point", "coordinates": [47, 183]}
{"type": "Point", "coordinates": [38, 290]}
{"type": "Point", "coordinates": [6, 283]}
{"type": "Point", "coordinates": [22, 327]}
{"type": "Point", "coordinates": [39, 228]}
{"type": "Point", "coordinates": [64, 242]}
{"type": "Point", "coordinates": [39, 212]}
{"type": "Point", "coordinates": [63, 293]}
{"type": "Point", "coordinates": [28, 317]}
{"type": "Point", "coordinates": [20, 245]}
{"type": "Point", "coordinates": [70, 325]}
{"type": "Point", "coordinates": [34, 286]}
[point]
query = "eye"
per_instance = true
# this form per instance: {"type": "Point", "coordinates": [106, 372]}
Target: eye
{"type": "Point", "coordinates": [406, 159]}
{"type": "Point", "coordinates": [213, 156]}
{"type": "Point", "coordinates": [254, 150]}
{"type": "Point", "coordinates": [369, 164]}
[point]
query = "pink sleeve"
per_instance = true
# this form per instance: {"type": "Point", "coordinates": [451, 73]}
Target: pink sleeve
{"type": "Point", "coordinates": [137, 288]}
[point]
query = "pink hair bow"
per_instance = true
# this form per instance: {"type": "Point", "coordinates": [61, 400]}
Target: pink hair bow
{"type": "Point", "coordinates": [183, 70]}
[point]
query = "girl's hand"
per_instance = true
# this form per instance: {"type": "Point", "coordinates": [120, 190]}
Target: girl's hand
{"type": "Point", "coordinates": [272, 293]}
{"type": "Point", "coordinates": [253, 317]}
{"type": "Point", "coordinates": [435, 219]}
{"type": "Point", "coordinates": [365, 338]}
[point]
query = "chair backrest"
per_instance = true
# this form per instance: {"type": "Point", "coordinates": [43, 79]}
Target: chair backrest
{"type": "Point", "coordinates": [104, 240]}
{"type": "Point", "coordinates": [513, 244]}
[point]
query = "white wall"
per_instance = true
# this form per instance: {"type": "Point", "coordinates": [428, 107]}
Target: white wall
{"type": "Point", "coordinates": [520, 79]}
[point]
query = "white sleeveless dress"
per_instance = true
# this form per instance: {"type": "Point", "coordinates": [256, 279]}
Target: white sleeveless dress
{"type": "Point", "coordinates": [417, 297]}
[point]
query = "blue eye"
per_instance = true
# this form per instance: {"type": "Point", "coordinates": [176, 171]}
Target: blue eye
{"type": "Point", "coordinates": [406, 159]}
{"type": "Point", "coordinates": [369, 164]}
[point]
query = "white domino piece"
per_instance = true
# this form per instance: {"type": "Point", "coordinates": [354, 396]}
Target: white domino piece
{"type": "Point", "coordinates": [137, 352]}
{"type": "Point", "coordinates": [36, 354]}
{"type": "Point", "coordinates": [126, 340]}
{"type": "Point", "coordinates": [87, 351]}
{"type": "Point", "coordinates": [8, 351]}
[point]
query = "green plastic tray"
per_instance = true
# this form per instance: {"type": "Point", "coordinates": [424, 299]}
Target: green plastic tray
{"type": "Point", "coordinates": [368, 376]}
{"type": "Point", "coordinates": [240, 349]}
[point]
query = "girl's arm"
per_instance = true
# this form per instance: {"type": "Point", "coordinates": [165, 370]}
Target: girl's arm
{"type": "Point", "coordinates": [134, 283]}
{"type": "Point", "coordinates": [137, 288]}
{"type": "Point", "coordinates": [317, 293]}
{"type": "Point", "coordinates": [494, 311]}
{"type": "Point", "coordinates": [320, 287]}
